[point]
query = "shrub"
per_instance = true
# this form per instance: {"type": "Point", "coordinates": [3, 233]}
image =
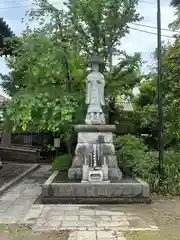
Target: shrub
{"type": "Point", "coordinates": [131, 152]}
{"type": "Point", "coordinates": [135, 160]}
{"type": "Point", "coordinates": [171, 181]}
{"type": "Point", "coordinates": [62, 162]}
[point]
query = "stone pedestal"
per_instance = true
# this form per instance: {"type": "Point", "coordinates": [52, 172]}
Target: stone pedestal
{"type": "Point", "coordinates": [1, 164]}
{"type": "Point", "coordinates": [87, 136]}
{"type": "Point", "coordinates": [127, 190]}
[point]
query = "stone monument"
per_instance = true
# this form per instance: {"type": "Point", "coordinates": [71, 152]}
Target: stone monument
{"type": "Point", "coordinates": [95, 93]}
{"type": "Point", "coordinates": [95, 138]}
{"type": "Point", "coordinates": [94, 176]}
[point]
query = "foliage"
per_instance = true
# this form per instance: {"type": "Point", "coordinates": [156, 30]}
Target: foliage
{"type": "Point", "coordinates": [5, 31]}
{"type": "Point", "coordinates": [128, 150]}
{"type": "Point", "coordinates": [175, 3]}
{"type": "Point", "coordinates": [146, 102]}
{"type": "Point", "coordinates": [40, 65]}
{"type": "Point", "coordinates": [37, 80]}
{"type": "Point", "coordinates": [171, 181]}
{"type": "Point", "coordinates": [175, 25]}
{"type": "Point", "coordinates": [98, 26]}
{"type": "Point", "coordinates": [62, 162]}
{"type": "Point", "coordinates": [124, 76]}
{"type": "Point", "coordinates": [147, 89]}
{"type": "Point", "coordinates": [145, 117]}
{"type": "Point", "coordinates": [171, 87]}
{"type": "Point", "coordinates": [39, 97]}
{"type": "Point", "coordinates": [134, 159]}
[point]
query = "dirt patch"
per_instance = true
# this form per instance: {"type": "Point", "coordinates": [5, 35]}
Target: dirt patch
{"type": "Point", "coordinates": [21, 232]}
{"type": "Point", "coordinates": [164, 213]}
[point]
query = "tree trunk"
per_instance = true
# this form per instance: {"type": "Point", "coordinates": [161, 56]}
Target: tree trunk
{"type": "Point", "coordinates": [111, 111]}
{"type": "Point", "coordinates": [69, 147]}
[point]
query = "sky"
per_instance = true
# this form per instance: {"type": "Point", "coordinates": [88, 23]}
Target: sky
{"type": "Point", "coordinates": [14, 10]}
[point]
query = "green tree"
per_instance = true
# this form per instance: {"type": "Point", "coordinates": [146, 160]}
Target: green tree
{"type": "Point", "coordinates": [175, 3]}
{"type": "Point", "coordinates": [171, 71]}
{"type": "Point", "coordinates": [40, 100]}
{"type": "Point", "coordinates": [145, 119]}
{"type": "Point", "coordinates": [37, 80]}
{"type": "Point", "coordinates": [146, 102]}
{"type": "Point", "coordinates": [98, 26]}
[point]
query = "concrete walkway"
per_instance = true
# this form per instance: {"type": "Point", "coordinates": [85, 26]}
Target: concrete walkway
{"type": "Point", "coordinates": [85, 222]}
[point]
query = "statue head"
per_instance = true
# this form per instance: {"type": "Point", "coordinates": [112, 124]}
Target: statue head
{"type": "Point", "coordinates": [95, 62]}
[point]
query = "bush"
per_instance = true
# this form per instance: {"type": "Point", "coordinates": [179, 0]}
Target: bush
{"type": "Point", "coordinates": [135, 160]}
{"type": "Point", "coordinates": [131, 153]}
{"type": "Point", "coordinates": [171, 181]}
{"type": "Point", "coordinates": [62, 162]}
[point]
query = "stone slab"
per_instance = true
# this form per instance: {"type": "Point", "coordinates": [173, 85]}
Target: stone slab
{"type": "Point", "coordinates": [92, 137]}
{"type": "Point", "coordinates": [18, 178]}
{"type": "Point", "coordinates": [95, 128]}
{"type": "Point", "coordinates": [113, 192]}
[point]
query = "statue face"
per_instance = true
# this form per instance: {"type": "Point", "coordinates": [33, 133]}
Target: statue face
{"type": "Point", "coordinates": [95, 67]}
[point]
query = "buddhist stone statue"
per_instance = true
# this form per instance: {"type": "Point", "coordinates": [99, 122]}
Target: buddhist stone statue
{"type": "Point", "coordinates": [95, 94]}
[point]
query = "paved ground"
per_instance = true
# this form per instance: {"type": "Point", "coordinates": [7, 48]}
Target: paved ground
{"type": "Point", "coordinates": [83, 221]}
{"type": "Point", "coordinates": [86, 222]}
{"type": "Point", "coordinates": [9, 171]}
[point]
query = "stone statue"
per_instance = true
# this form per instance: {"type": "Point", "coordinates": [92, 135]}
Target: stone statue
{"type": "Point", "coordinates": [95, 94]}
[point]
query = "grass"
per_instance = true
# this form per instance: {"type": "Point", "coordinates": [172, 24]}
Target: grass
{"type": "Point", "coordinates": [165, 213]}
{"type": "Point", "coordinates": [24, 232]}
{"type": "Point", "coordinates": [147, 235]}
{"type": "Point", "coordinates": [154, 235]}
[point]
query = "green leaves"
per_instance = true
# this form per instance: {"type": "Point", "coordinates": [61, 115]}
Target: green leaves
{"type": "Point", "coordinates": [146, 102]}
{"type": "Point", "coordinates": [98, 26]}
{"type": "Point", "coordinates": [124, 76]}
{"type": "Point", "coordinates": [41, 112]}
{"type": "Point", "coordinates": [175, 3]}
{"type": "Point", "coordinates": [57, 49]}
{"type": "Point", "coordinates": [135, 159]}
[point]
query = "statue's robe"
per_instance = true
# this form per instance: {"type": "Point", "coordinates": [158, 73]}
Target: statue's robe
{"type": "Point", "coordinates": [95, 95]}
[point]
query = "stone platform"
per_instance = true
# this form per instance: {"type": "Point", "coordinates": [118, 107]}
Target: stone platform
{"type": "Point", "coordinates": [95, 134]}
{"type": "Point", "coordinates": [127, 190]}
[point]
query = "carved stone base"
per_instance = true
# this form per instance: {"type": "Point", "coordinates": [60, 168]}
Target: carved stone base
{"type": "Point", "coordinates": [87, 136]}
{"type": "Point", "coordinates": [1, 164]}
{"type": "Point", "coordinates": [127, 190]}
{"type": "Point", "coordinates": [99, 119]}
{"type": "Point", "coordinates": [114, 174]}
{"type": "Point", "coordinates": [77, 174]}
{"type": "Point", "coordinates": [85, 172]}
